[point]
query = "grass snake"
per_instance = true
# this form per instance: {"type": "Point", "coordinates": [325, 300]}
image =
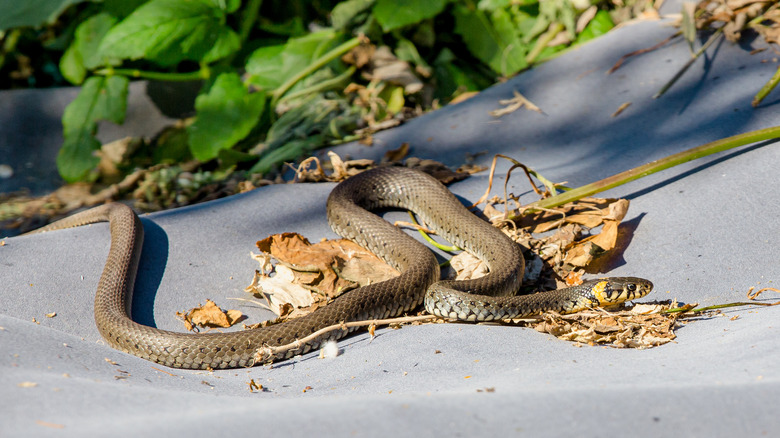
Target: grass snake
{"type": "Point", "coordinates": [486, 298]}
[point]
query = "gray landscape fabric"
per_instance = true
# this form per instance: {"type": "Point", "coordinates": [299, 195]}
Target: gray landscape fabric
{"type": "Point", "coordinates": [703, 232]}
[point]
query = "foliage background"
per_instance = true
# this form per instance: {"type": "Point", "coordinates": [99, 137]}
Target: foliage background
{"type": "Point", "coordinates": [276, 79]}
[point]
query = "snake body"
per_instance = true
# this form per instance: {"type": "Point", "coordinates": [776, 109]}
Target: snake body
{"type": "Point", "coordinates": [348, 214]}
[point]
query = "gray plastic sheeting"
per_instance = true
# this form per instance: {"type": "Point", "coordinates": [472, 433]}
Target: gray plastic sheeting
{"type": "Point", "coordinates": [703, 232]}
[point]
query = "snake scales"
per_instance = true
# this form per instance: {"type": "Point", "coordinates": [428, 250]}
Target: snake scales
{"type": "Point", "coordinates": [348, 215]}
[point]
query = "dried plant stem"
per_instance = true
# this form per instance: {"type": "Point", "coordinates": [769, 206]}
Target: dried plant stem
{"type": "Point", "coordinates": [655, 166]}
{"type": "Point", "coordinates": [718, 306]}
{"type": "Point", "coordinates": [267, 352]}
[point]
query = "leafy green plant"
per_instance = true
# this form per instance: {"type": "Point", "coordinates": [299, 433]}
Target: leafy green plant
{"type": "Point", "coordinates": [273, 81]}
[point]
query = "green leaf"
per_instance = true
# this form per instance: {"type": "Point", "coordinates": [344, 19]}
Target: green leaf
{"type": "Point", "coordinates": [82, 54]}
{"type": "Point", "coordinates": [406, 51]}
{"type": "Point", "coordinates": [394, 96]}
{"type": "Point", "coordinates": [72, 66]}
{"type": "Point", "coordinates": [599, 25]}
{"type": "Point", "coordinates": [228, 6]}
{"type": "Point", "coordinates": [100, 98]}
{"type": "Point", "coordinates": [392, 14]}
{"type": "Point", "coordinates": [491, 5]}
{"type": "Point", "coordinates": [345, 13]}
{"type": "Point", "coordinates": [453, 79]}
{"type": "Point", "coordinates": [269, 67]}
{"type": "Point", "coordinates": [291, 151]}
{"type": "Point", "coordinates": [121, 8]}
{"type": "Point", "coordinates": [312, 124]}
{"type": "Point", "coordinates": [170, 31]}
{"type": "Point", "coordinates": [293, 27]}
{"type": "Point", "coordinates": [225, 115]}
{"type": "Point", "coordinates": [172, 146]}
{"type": "Point", "coordinates": [16, 13]}
{"type": "Point", "coordinates": [494, 43]}
{"type": "Point", "coordinates": [265, 67]}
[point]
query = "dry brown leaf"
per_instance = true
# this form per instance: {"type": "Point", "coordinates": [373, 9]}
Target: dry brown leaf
{"type": "Point", "coordinates": [444, 174]}
{"type": "Point", "coordinates": [328, 268]}
{"type": "Point", "coordinates": [468, 267]}
{"type": "Point", "coordinates": [365, 268]}
{"type": "Point", "coordinates": [265, 261]}
{"type": "Point", "coordinates": [585, 18]}
{"type": "Point", "coordinates": [621, 108]}
{"type": "Point", "coordinates": [344, 169]}
{"type": "Point", "coordinates": [327, 258]}
{"type": "Point", "coordinates": [574, 278]}
{"type": "Point", "coordinates": [396, 154]}
{"type": "Point", "coordinates": [360, 55]}
{"type": "Point", "coordinates": [588, 212]}
{"type": "Point", "coordinates": [341, 169]}
{"type": "Point", "coordinates": [280, 289]}
{"type": "Point", "coordinates": [209, 315]}
{"type": "Point", "coordinates": [462, 97]}
{"type": "Point", "coordinates": [640, 326]}
{"type": "Point", "coordinates": [565, 251]}
{"type": "Point", "coordinates": [48, 424]}
{"type": "Point", "coordinates": [581, 254]}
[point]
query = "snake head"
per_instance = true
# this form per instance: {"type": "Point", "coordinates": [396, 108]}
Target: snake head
{"type": "Point", "coordinates": [616, 290]}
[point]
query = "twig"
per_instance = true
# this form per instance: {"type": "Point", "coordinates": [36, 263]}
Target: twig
{"type": "Point", "coordinates": [163, 371]}
{"type": "Point", "coordinates": [750, 295]}
{"type": "Point", "coordinates": [267, 352]}
{"type": "Point", "coordinates": [753, 296]}
{"type": "Point", "coordinates": [641, 51]}
{"type": "Point", "coordinates": [717, 306]}
{"type": "Point", "coordinates": [528, 173]}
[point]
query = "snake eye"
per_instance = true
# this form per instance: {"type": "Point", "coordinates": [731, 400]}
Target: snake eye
{"type": "Point", "coordinates": [631, 287]}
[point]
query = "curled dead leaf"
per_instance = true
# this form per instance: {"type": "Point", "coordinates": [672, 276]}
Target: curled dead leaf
{"type": "Point", "coordinates": [308, 275]}
{"type": "Point", "coordinates": [385, 66]}
{"type": "Point", "coordinates": [468, 267]}
{"type": "Point", "coordinates": [209, 315]}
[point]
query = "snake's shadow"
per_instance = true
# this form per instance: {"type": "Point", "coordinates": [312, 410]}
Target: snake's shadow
{"type": "Point", "coordinates": [154, 259]}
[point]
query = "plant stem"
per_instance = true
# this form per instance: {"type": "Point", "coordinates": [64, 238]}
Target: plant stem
{"type": "Point", "coordinates": [248, 18]}
{"type": "Point", "coordinates": [541, 43]}
{"type": "Point", "coordinates": [717, 306]}
{"type": "Point", "coordinates": [656, 166]}
{"type": "Point", "coordinates": [429, 239]}
{"type": "Point", "coordinates": [314, 66]}
{"type": "Point", "coordinates": [766, 89]}
{"type": "Point", "coordinates": [688, 64]}
{"type": "Point", "coordinates": [324, 85]}
{"type": "Point", "coordinates": [203, 73]}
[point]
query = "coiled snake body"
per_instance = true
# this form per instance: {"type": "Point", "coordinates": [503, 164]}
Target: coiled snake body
{"type": "Point", "coordinates": [348, 215]}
